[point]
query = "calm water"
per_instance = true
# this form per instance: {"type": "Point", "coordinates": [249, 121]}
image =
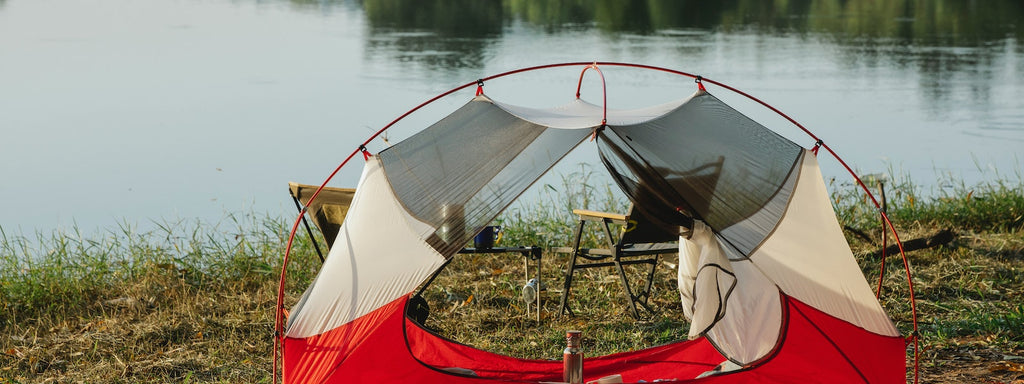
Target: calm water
{"type": "Point", "coordinates": [117, 111]}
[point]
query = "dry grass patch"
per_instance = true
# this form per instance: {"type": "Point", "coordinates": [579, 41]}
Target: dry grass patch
{"type": "Point", "coordinates": [159, 329]}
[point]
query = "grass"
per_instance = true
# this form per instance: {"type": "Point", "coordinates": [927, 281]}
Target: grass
{"type": "Point", "coordinates": [193, 302]}
{"type": "Point", "coordinates": [188, 302]}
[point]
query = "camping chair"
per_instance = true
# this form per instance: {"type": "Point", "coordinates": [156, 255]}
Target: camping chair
{"type": "Point", "coordinates": [327, 211]}
{"type": "Point", "coordinates": [639, 243]}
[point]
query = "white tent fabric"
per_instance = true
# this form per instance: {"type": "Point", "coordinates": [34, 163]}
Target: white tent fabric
{"type": "Point", "coordinates": [581, 114]}
{"type": "Point", "coordinates": [753, 317]}
{"type": "Point", "coordinates": [731, 302]}
{"type": "Point", "coordinates": [369, 264]}
{"type": "Point", "coordinates": [806, 257]}
{"type": "Point", "coordinates": [703, 268]}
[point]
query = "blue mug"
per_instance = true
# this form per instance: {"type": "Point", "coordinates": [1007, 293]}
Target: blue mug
{"type": "Point", "coordinates": [487, 237]}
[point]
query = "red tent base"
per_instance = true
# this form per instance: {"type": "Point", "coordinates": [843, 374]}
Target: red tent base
{"type": "Point", "coordinates": [814, 348]}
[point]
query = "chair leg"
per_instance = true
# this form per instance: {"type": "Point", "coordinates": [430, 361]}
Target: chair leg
{"type": "Point", "coordinates": [563, 305]}
{"type": "Point", "coordinates": [540, 282]}
{"type": "Point", "coordinates": [646, 293]}
{"type": "Point", "coordinates": [312, 239]}
{"type": "Point", "coordinates": [625, 285]}
{"type": "Point", "coordinates": [642, 295]}
{"type": "Point", "coordinates": [534, 253]}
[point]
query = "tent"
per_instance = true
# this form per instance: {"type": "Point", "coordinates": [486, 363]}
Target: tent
{"type": "Point", "coordinates": [771, 288]}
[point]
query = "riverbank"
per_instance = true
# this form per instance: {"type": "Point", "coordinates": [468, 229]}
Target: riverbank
{"type": "Point", "coordinates": [191, 303]}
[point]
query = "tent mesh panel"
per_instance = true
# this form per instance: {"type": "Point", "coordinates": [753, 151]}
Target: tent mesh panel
{"type": "Point", "coordinates": [704, 161]}
{"type": "Point", "coordinates": [460, 173]}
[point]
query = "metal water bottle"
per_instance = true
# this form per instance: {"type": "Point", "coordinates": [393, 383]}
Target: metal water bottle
{"type": "Point", "coordinates": [572, 358]}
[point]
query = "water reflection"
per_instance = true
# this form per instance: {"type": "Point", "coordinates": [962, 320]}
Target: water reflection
{"type": "Point", "coordinates": [949, 43]}
{"type": "Point", "coordinates": [949, 22]}
{"type": "Point", "coordinates": [126, 75]}
{"type": "Point", "coordinates": [320, 6]}
{"type": "Point", "coordinates": [615, 16]}
{"type": "Point", "coordinates": [466, 27]}
{"type": "Point", "coordinates": [954, 50]}
{"type": "Point", "coordinates": [438, 33]}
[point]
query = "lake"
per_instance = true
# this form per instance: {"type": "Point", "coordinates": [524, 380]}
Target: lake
{"type": "Point", "coordinates": [118, 112]}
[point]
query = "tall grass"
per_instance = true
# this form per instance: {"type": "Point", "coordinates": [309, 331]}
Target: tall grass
{"type": "Point", "coordinates": [66, 271]}
{"type": "Point", "coordinates": [996, 205]}
{"type": "Point", "coordinates": [186, 301]}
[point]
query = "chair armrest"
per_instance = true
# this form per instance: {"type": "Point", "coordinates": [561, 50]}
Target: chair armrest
{"type": "Point", "coordinates": [600, 216]}
{"type": "Point", "coordinates": [567, 250]}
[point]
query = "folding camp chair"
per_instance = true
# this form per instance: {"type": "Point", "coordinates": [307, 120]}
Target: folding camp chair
{"type": "Point", "coordinates": [327, 211]}
{"type": "Point", "coordinates": [640, 242]}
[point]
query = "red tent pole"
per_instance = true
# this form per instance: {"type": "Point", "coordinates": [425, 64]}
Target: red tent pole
{"type": "Point", "coordinates": [604, 91]}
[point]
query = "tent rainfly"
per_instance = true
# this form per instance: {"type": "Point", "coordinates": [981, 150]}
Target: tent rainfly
{"type": "Point", "coordinates": [768, 282]}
